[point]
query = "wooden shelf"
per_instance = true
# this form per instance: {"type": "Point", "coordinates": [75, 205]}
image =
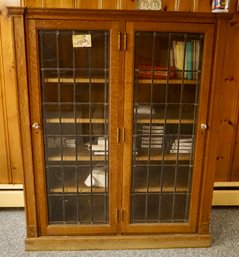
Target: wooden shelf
{"type": "Point", "coordinates": [167, 157]}
{"type": "Point", "coordinates": [171, 117]}
{"type": "Point", "coordinates": [157, 189]}
{"type": "Point", "coordinates": [84, 155]}
{"type": "Point", "coordinates": [103, 80]}
{"type": "Point", "coordinates": [170, 81]}
{"type": "Point", "coordinates": [76, 80]}
{"type": "Point", "coordinates": [77, 120]}
{"type": "Point", "coordinates": [162, 121]}
{"type": "Point", "coordinates": [85, 189]}
{"type": "Point", "coordinates": [102, 121]}
{"type": "Point", "coordinates": [81, 189]}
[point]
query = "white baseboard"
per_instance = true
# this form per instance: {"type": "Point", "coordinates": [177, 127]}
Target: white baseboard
{"type": "Point", "coordinates": [11, 195]}
{"type": "Point", "coordinates": [226, 194]}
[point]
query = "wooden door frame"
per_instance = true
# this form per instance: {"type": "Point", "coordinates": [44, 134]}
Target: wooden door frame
{"type": "Point", "coordinates": [208, 31]}
{"type": "Point", "coordinates": [37, 135]}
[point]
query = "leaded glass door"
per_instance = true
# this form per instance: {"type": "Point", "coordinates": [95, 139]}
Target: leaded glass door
{"type": "Point", "coordinates": [168, 92]}
{"type": "Point", "coordinates": [71, 108]}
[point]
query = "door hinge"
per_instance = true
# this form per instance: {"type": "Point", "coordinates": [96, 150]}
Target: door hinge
{"type": "Point", "coordinates": [123, 135]}
{"type": "Point", "coordinates": [120, 215]}
{"type": "Point", "coordinates": [119, 41]}
{"type": "Point", "coordinates": [125, 41]}
{"type": "Point", "coordinates": [118, 135]}
{"type": "Point", "coordinates": [122, 41]}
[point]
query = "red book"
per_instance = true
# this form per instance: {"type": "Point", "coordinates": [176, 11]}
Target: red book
{"type": "Point", "coordinates": [146, 72]}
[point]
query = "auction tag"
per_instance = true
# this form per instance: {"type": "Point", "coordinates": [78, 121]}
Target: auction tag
{"type": "Point", "coordinates": [81, 40]}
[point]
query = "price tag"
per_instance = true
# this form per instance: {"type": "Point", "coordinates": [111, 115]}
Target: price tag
{"type": "Point", "coordinates": [81, 40]}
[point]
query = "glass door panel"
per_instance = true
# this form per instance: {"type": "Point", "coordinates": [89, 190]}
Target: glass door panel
{"type": "Point", "coordinates": [167, 71]}
{"type": "Point", "coordinates": [74, 69]}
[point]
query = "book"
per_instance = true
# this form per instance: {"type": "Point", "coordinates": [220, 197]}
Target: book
{"type": "Point", "coordinates": [102, 141]}
{"type": "Point", "coordinates": [183, 140]}
{"type": "Point", "coordinates": [180, 151]}
{"type": "Point", "coordinates": [181, 147]}
{"type": "Point", "coordinates": [189, 60]}
{"type": "Point", "coordinates": [144, 110]}
{"type": "Point", "coordinates": [152, 127]}
{"type": "Point", "coordinates": [186, 58]}
{"type": "Point", "coordinates": [146, 141]}
{"type": "Point", "coordinates": [182, 144]}
{"type": "Point", "coordinates": [196, 58]}
{"type": "Point", "coordinates": [159, 146]}
{"type": "Point", "coordinates": [220, 5]}
{"type": "Point", "coordinates": [156, 72]}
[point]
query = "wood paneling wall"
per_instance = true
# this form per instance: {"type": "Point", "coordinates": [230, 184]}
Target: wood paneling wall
{"type": "Point", "coordinates": [169, 5]}
{"type": "Point", "coordinates": [227, 162]}
{"type": "Point", "coordinates": [11, 165]}
{"type": "Point", "coordinates": [235, 160]}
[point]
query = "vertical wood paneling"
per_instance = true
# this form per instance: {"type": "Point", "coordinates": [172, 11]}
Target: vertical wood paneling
{"type": "Point", "coordinates": [33, 3]}
{"type": "Point", "coordinates": [235, 161]}
{"type": "Point", "coordinates": [58, 3]}
{"type": "Point", "coordinates": [184, 6]}
{"type": "Point", "coordinates": [169, 5]}
{"type": "Point", "coordinates": [4, 155]}
{"type": "Point", "coordinates": [202, 6]}
{"type": "Point", "coordinates": [229, 107]}
{"type": "Point", "coordinates": [234, 42]}
{"type": "Point", "coordinates": [213, 121]}
{"type": "Point", "coordinates": [109, 4]}
{"type": "Point", "coordinates": [233, 6]}
{"type": "Point", "coordinates": [11, 101]}
{"type": "Point", "coordinates": [129, 4]}
{"type": "Point", "coordinates": [85, 4]}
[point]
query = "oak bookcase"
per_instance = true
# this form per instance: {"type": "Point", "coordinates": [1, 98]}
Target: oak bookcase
{"type": "Point", "coordinates": [119, 124]}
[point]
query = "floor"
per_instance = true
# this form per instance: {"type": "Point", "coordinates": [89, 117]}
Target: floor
{"type": "Point", "coordinates": [224, 229]}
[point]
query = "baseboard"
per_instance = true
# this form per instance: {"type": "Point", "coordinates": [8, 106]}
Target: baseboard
{"type": "Point", "coordinates": [11, 195]}
{"type": "Point", "coordinates": [226, 194]}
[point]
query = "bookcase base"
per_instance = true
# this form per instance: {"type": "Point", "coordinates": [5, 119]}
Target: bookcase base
{"type": "Point", "coordinates": [58, 243]}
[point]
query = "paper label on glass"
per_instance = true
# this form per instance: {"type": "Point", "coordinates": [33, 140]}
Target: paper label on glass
{"type": "Point", "coordinates": [81, 40]}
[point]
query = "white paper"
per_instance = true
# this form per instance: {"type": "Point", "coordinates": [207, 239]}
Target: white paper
{"type": "Point", "coordinates": [81, 40]}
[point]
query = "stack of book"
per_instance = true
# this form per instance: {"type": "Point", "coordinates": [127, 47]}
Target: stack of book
{"type": "Point", "coordinates": [101, 148]}
{"type": "Point", "coordinates": [152, 136]}
{"type": "Point", "coordinates": [156, 72]}
{"type": "Point", "coordinates": [144, 109]}
{"type": "Point", "coordinates": [186, 57]}
{"type": "Point", "coordinates": [183, 145]}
